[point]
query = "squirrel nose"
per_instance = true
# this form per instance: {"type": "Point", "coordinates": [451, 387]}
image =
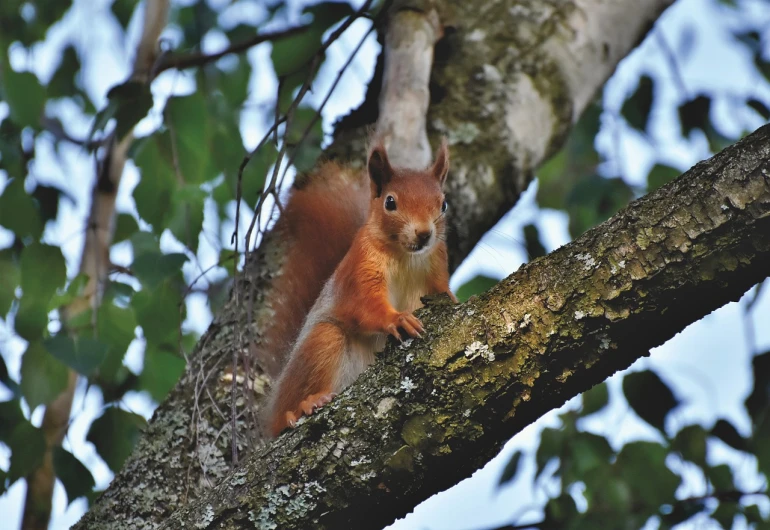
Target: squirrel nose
{"type": "Point", "coordinates": [423, 237]}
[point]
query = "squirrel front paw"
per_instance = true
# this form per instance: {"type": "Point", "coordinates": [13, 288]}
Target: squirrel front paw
{"type": "Point", "coordinates": [407, 322]}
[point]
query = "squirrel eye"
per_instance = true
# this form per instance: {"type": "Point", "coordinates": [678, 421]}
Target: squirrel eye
{"type": "Point", "coordinates": [444, 206]}
{"type": "Point", "coordinates": [390, 203]}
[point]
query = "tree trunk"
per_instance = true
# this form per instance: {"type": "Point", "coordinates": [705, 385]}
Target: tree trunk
{"type": "Point", "coordinates": [509, 82]}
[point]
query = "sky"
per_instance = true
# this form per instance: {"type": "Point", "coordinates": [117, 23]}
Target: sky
{"type": "Point", "coordinates": [693, 362]}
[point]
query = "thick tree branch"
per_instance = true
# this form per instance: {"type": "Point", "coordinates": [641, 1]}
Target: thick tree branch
{"type": "Point", "coordinates": [432, 412]}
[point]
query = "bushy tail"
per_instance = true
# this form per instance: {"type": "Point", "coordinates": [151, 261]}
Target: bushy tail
{"type": "Point", "coordinates": [317, 225]}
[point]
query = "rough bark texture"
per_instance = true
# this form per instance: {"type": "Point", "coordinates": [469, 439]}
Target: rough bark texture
{"type": "Point", "coordinates": [438, 408]}
{"type": "Point", "coordinates": [510, 79]}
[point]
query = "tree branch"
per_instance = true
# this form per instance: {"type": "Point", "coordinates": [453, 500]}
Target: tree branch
{"type": "Point", "coordinates": [190, 60]}
{"type": "Point", "coordinates": [432, 412]}
{"type": "Point", "coordinates": [436, 410]}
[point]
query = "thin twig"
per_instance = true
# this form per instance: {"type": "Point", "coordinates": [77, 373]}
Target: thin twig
{"type": "Point", "coordinates": [189, 60]}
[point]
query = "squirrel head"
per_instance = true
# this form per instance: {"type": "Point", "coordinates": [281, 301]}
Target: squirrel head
{"type": "Point", "coordinates": [408, 206]}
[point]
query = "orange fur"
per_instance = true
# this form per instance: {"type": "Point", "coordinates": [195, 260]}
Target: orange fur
{"type": "Point", "coordinates": [396, 257]}
{"type": "Point", "coordinates": [317, 225]}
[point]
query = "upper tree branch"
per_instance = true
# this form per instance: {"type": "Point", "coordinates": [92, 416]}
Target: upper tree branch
{"type": "Point", "coordinates": [431, 413]}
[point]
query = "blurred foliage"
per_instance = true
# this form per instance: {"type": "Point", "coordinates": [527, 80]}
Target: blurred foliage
{"type": "Point", "coordinates": [189, 162]}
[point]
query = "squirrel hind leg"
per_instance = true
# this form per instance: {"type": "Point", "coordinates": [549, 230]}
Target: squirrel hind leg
{"type": "Point", "coordinates": [307, 382]}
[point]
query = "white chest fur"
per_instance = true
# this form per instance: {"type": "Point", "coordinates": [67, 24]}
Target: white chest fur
{"type": "Point", "coordinates": [408, 282]}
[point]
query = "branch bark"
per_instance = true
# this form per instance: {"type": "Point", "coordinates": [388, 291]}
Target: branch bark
{"type": "Point", "coordinates": [508, 83]}
{"type": "Point", "coordinates": [437, 409]}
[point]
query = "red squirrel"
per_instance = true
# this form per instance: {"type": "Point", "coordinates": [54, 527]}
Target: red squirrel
{"type": "Point", "coordinates": [397, 255]}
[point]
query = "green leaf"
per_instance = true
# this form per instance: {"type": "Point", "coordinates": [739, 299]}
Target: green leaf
{"type": "Point", "coordinates": [532, 243]}
{"type": "Point", "coordinates": [690, 442]}
{"type": "Point", "coordinates": [153, 268]}
{"type": "Point", "coordinates": [595, 199]}
{"type": "Point", "coordinates": [119, 291]}
{"type": "Point", "coordinates": [234, 83]}
{"type": "Point", "coordinates": [18, 211]}
{"type": "Point", "coordinates": [510, 470]}
{"type": "Point", "coordinates": [10, 279]}
{"type": "Point", "coordinates": [595, 399]}
{"type": "Point", "coordinates": [82, 354]}
{"type": "Point", "coordinates": [303, 137]}
{"type": "Point", "coordinates": [24, 94]}
{"type": "Point", "coordinates": [650, 397]}
{"type": "Point", "coordinates": [43, 271]}
{"type": "Point", "coordinates": [759, 445]}
{"type": "Point", "coordinates": [123, 9]}
{"type": "Point", "coordinates": [661, 174]}
{"type": "Point", "coordinates": [114, 435]}
{"type": "Point", "coordinates": [62, 84]}
{"type": "Point", "coordinates": [477, 285]}
{"type": "Point", "coordinates": [47, 198]}
{"type": "Point", "coordinates": [754, 515]}
{"type": "Point", "coordinates": [158, 312]}
{"type": "Point", "coordinates": [129, 102]}
{"type": "Point", "coordinates": [551, 443]}
{"type": "Point", "coordinates": [725, 514]}
{"type": "Point", "coordinates": [31, 319]}
{"type": "Point", "coordinates": [760, 108]}
{"type": "Point", "coordinates": [725, 431]}
{"type": "Point", "coordinates": [145, 242]}
{"type": "Point", "coordinates": [76, 478]}
{"type": "Point", "coordinates": [187, 120]}
{"type": "Point", "coordinates": [721, 477]}
{"type": "Point", "coordinates": [291, 54]}
{"type": "Point", "coordinates": [125, 226]}
{"type": "Point", "coordinates": [254, 174]}
{"type": "Point", "coordinates": [560, 510]}
{"type": "Point", "coordinates": [153, 157]}
{"type": "Point", "coordinates": [161, 372]}
{"type": "Point", "coordinates": [116, 328]}
{"type": "Point", "coordinates": [636, 109]}
{"type": "Point", "coordinates": [576, 160]}
{"type": "Point", "coordinates": [588, 452]}
{"type": "Point", "coordinates": [42, 376]}
{"type": "Point", "coordinates": [643, 467]}
{"type": "Point", "coordinates": [186, 222]}
{"type": "Point", "coordinates": [759, 400]}
{"type": "Point", "coordinates": [74, 290]}
{"type": "Point", "coordinates": [27, 446]}
{"type": "Point", "coordinates": [10, 417]}
{"type": "Point", "coordinates": [694, 114]}
{"type": "Point", "coordinates": [12, 157]}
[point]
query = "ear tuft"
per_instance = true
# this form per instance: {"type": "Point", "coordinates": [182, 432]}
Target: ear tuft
{"type": "Point", "coordinates": [441, 165]}
{"type": "Point", "coordinates": [379, 167]}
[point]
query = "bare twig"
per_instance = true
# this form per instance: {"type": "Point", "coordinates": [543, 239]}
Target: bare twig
{"type": "Point", "coordinates": [189, 60]}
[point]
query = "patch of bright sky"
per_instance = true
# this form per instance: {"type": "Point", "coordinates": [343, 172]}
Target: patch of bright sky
{"type": "Point", "coordinates": [692, 363]}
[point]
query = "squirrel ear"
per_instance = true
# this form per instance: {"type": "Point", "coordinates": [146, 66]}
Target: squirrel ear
{"type": "Point", "coordinates": [379, 168]}
{"type": "Point", "coordinates": [441, 165]}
